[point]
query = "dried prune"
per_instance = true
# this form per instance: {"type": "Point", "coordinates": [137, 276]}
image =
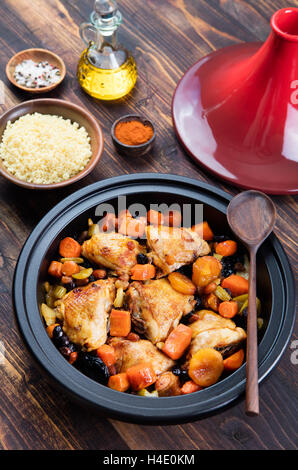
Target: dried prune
{"type": "Point", "coordinates": [70, 286]}
{"type": "Point", "coordinates": [186, 270]}
{"type": "Point", "coordinates": [92, 278]}
{"type": "Point", "coordinates": [142, 259]}
{"type": "Point", "coordinates": [93, 367]}
{"type": "Point", "coordinates": [241, 320]}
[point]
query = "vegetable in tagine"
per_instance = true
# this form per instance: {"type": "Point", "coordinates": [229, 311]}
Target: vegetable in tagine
{"type": "Point", "coordinates": [164, 316]}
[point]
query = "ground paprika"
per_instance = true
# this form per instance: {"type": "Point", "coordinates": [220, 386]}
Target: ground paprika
{"type": "Point", "coordinates": [133, 132]}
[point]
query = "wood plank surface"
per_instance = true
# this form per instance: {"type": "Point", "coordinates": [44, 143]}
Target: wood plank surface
{"type": "Point", "coordinates": [166, 37]}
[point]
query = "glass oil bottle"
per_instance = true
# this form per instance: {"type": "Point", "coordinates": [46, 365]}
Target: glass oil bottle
{"type": "Point", "coordinates": [106, 70]}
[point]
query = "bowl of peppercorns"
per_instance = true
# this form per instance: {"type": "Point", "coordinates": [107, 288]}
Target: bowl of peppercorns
{"type": "Point", "coordinates": [36, 70]}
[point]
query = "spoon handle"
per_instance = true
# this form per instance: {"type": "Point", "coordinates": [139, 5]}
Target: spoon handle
{"type": "Point", "coordinates": [252, 390]}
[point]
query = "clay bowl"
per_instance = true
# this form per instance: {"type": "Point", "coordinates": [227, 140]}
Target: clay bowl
{"type": "Point", "coordinates": [68, 111]}
{"type": "Point", "coordinates": [133, 150]}
{"type": "Point", "coordinates": [37, 55]}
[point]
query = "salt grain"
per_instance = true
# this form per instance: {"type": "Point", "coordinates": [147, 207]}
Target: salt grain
{"type": "Point", "coordinates": [36, 74]}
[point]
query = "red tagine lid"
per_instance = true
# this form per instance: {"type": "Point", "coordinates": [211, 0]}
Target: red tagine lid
{"type": "Point", "coordinates": [236, 110]}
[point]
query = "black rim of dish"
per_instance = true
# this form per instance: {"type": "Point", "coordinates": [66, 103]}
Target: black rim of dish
{"type": "Point", "coordinates": [125, 406]}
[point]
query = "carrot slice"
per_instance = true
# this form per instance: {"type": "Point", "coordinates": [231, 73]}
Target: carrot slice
{"type": "Point", "coordinates": [234, 361]}
{"type": "Point", "coordinates": [141, 376]}
{"type": "Point", "coordinates": [155, 217]}
{"type": "Point", "coordinates": [182, 283]}
{"type": "Point", "coordinates": [120, 323]}
{"type": "Point", "coordinates": [73, 357]}
{"type": "Point", "coordinates": [228, 309]}
{"type": "Point", "coordinates": [124, 213]}
{"type": "Point", "coordinates": [190, 387]}
{"type": "Point", "coordinates": [226, 248]}
{"type": "Point", "coordinates": [107, 354]}
{"type": "Point", "coordinates": [204, 231]}
{"type": "Point", "coordinates": [108, 222]}
{"type": "Point", "coordinates": [211, 301]}
{"type": "Point", "coordinates": [173, 218]}
{"type": "Point", "coordinates": [69, 268]}
{"type": "Point", "coordinates": [210, 288]}
{"type": "Point", "coordinates": [55, 269]}
{"type": "Point", "coordinates": [119, 382]}
{"type": "Point", "coordinates": [238, 285]}
{"type": "Point", "coordinates": [143, 272]}
{"type": "Point", "coordinates": [69, 248]}
{"type": "Point", "coordinates": [132, 227]}
{"type": "Point", "coordinates": [177, 341]}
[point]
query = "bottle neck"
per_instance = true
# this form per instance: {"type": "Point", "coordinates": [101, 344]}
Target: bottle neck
{"type": "Point", "coordinates": [107, 39]}
{"type": "Point", "coordinates": [106, 27]}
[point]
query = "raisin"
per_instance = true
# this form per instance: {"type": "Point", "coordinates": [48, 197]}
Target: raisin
{"type": "Point", "coordinates": [60, 339]}
{"type": "Point", "coordinates": [198, 303]}
{"type": "Point", "coordinates": [70, 286]}
{"type": "Point", "coordinates": [185, 319]}
{"type": "Point", "coordinates": [142, 259]}
{"type": "Point", "coordinates": [221, 238]}
{"type": "Point", "coordinates": [63, 341]}
{"type": "Point", "coordinates": [57, 334]}
{"type": "Point", "coordinates": [65, 351]}
{"type": "Point", "coordinates": [181, 373]}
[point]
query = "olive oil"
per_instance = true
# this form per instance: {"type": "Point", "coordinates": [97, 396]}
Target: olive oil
{"type": "Point", "coordinates": [106, 84]}
{"type": "Point", "coordinates": [106, 70]}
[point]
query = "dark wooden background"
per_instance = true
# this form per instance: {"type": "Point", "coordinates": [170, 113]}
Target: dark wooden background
{"type": "Point", "coordinates": [166, 37]}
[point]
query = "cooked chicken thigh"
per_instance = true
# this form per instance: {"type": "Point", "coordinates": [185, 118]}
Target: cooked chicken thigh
{"type": "Point", "coordinates": [112, 250]}
{"type": "Point", "coordinates": [131, 353]}
{"type": "Point", "coordinates": [213, 331]}
{"type": "Point", "coordinates": [85, 313]}
{"type": "Point", "coordinates": [173, 247]}
{"type": "Point", "coordinates": [157, 308]}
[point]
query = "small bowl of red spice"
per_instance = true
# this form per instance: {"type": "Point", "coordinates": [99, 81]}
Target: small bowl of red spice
{"type": "Point", "coordinates": [133, 135]}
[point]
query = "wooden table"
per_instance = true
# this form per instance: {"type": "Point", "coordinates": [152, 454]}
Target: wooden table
{"type": "Point", "coordinates": [166, 37]}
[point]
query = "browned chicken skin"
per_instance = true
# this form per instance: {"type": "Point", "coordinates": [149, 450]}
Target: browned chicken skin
{"type": "Point", "coordinates": [213, 331]}
{"type": "Point", "coordinates": [173, 247]}
{"type": "Point", "coordinates": [130, 353]}
{"type": "Point", "coordinates": [157, 308]}
{"type": "Point", "coordinates": [112, 250]}
{"type": "Point", "coordinates": [85, 313]}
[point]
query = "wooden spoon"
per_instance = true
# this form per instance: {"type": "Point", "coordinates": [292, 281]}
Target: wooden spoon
{"type": "Point", "coordinates": [251, 216]}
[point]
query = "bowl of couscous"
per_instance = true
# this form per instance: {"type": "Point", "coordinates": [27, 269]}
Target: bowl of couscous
{"type": "Point", "coordinates": [48, 143]}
